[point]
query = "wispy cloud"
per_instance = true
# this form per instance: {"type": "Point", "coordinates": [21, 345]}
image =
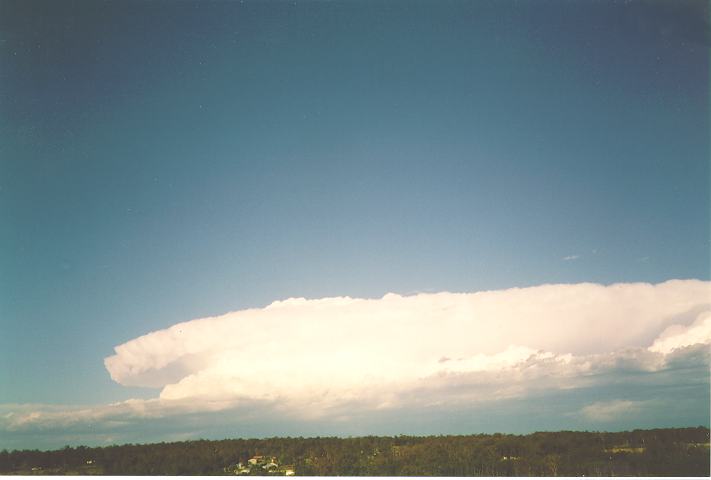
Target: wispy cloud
{"type": "Point", "coordinates": [571, 257]}
{"type": "Point", "coordinates": [612, 410]}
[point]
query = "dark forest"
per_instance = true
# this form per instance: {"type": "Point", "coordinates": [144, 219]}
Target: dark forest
{"type": "Point", "coordinates": [658, 452]}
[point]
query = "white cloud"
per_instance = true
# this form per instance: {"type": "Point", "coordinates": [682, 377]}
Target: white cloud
{"type": "Point", "coordinates": [334, 349]}
{"type": "Point", "coordinates": [323, 360]}
{"type": "Point", "coordinates": [679, 336]}
{"type": "Point", "coordinates": [571, 257]}
{"type": "Point", "coordinates": [612, 410]}
{"type": "Point", "coordinates": [478, 384]}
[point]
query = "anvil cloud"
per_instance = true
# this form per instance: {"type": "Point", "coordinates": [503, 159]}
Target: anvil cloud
{"type": "Point", "coordinates": [581, 356]}
{"type": "Point", "coordinates": [333, 350]}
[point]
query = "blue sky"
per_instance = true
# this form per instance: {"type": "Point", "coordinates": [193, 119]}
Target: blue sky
{"type": "Point", "coordinates": [167, 161]}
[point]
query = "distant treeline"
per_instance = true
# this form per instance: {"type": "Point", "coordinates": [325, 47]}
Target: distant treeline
{"type": "Point", "coordinates": [658, 452]}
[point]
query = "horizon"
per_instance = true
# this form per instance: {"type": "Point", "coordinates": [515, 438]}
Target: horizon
{"type": "Point", "coordinates": [314, 218]}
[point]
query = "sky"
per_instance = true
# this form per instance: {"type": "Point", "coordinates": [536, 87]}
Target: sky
{"type": "Point", "coordinates": [239, 218]}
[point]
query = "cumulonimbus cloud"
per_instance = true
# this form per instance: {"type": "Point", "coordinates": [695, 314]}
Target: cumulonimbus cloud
{"type": "Point", "coordinates": [631, 353]}
{"type": "Point", "coordinates": [335, 350]}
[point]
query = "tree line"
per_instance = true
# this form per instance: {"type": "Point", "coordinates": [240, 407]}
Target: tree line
{"type": "Point", "coordinates": [657, 452]}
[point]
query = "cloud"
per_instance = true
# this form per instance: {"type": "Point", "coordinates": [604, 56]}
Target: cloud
{"type": "Point", "coordinates": [500, 392]}
{"type": "Point", "coordinates": [678, 336]}
{"type": "Point", "coordinates": [128, 413]}
{"type": "Point", "coordinates": [333, 350]}
{"type": "Point", "coordinates": [331, 361]}
{"type": "Point", "coordinates": [612, 410]}
{"type": "Point", "coordinates": [571, 257]}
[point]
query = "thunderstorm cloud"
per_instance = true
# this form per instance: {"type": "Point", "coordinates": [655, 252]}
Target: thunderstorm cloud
{"type": "Point", "coordinates": [588, 355]}
{"type": "Point", "coordinates": [334, 350]}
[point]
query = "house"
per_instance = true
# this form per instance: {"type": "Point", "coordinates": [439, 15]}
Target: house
{"type": "Point", "coordinates": [269, 464]}
{"type": "Point", "coordinates": [237, 469]}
